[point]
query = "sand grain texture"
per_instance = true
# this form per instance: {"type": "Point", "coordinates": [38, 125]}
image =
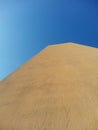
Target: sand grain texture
{"type": "Point", "coordinates": [55, 90]}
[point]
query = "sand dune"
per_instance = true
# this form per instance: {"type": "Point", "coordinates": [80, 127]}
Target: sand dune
{"type": "Point", "coordinates": [55, 90]}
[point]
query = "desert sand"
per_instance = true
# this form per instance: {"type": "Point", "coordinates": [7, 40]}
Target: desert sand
{"type": "Point", "coordinates": [56, 90]}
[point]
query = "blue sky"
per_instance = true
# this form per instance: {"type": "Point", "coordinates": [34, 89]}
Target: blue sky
{"type": "Point", "coordinates": [27, 26]}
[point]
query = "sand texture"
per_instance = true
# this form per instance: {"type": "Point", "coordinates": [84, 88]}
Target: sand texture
{"type": "Point", "coordinates": [55, 90]}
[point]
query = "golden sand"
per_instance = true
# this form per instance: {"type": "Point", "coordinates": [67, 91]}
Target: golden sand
{"type": "Point", "coordinates": [55, 90]}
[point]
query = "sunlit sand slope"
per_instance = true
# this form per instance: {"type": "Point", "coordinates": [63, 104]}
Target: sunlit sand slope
{"type": "Point", "coordinates": [55, 90]}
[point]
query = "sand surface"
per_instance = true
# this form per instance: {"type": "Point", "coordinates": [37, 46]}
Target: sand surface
{"type": "Point", "coordinates": [55, 90]}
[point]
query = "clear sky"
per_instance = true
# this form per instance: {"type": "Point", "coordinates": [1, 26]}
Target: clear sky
{"type": "Point", "coordinates": [27, 26]}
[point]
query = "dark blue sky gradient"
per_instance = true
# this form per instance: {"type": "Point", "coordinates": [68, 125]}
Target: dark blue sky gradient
{"type": "Point", "coordinates": [27, 26]}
